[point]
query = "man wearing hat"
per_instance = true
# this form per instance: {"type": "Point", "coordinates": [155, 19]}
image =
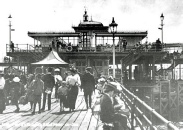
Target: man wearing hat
{"type": "Point", "coordinates": [49, 83]}
{"type": "Point", "coordinates": [108, 114]}
{"type": "Point", "coordinates": [88, 86]}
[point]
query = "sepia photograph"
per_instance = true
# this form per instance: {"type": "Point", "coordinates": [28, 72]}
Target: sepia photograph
{"type": "Point", "coordinates": [91, 65]}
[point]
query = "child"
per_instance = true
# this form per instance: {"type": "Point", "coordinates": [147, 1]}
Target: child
{"type": "Point", "coordinates": [37, 86]}
{"type": "Point", "coordinates": [62, 93]}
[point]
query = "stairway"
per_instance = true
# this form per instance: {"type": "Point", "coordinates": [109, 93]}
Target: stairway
{"type": "Point", "coordinates": [131, 57]}
{"type": "Point", "coordinates": [36, 55]}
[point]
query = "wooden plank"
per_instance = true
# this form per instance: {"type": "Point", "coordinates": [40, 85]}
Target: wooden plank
{"type": "Point", "coordinates": [42, 118]}
{"type": "Point", "coordinates": [95, 117]}
{"type": "Point", "coordinates": [64, 120]}
{"type": "Point", "coordinates": [34, 120]}
{"type": "Point", "coordinates": [16, 116]}
{"type": "Point", "coordinates": [26, 120]}
{"type": "Point", "coordinates": [9, 121]}
{"type": "Point", "coordinates": [10, 111]}
{"type": "Point", "coordinates": [53, 117]}
{"type": "Point", "coordinates": [93, 122]}
{"type": "Point", "coordinates": [79, 119]}
{"type": "Point", "coordinates": [86, 121]}
{"type": "Point", "coordinates": [70, 122]}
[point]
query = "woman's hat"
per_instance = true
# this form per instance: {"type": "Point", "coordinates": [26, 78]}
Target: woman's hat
{"type": "Point", "coordinates": [101, 80]}
{"type": "Point", "coordinates": [110, 78]}
{"type": "Point", "coordinates": [16, 79]}
{"type": "Point", "coordinates": [57, 70]}
{"type": "Point", "coordinates": [73, 70]}
{"type": "Point", "coordinates": [88, 69]}
{"type": "Point", "coordinates": [111, 86]}
{"type": "Point", "coordinates": [49, 69]}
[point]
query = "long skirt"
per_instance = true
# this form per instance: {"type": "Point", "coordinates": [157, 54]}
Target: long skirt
{"type": "Point", "coordinates": [72, 96]}
{"type": "Point", "coordinates": [2, 101]}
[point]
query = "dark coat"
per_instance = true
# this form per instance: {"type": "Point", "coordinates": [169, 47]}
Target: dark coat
{"type": "Point", "coordinates": [49, 81]}
{"type": "Point", "coordinates": [88, 82]}
{"type": "Point", "coordinates": [2, 100]}
{"type": "Point", "coordinates": [107, 109]}
{"type": "Point", "coordinates": [15, 91]}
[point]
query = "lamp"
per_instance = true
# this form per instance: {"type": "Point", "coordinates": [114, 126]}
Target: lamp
{"type": "Point", "coordinates": [113, 28]}
{"type": "Point", "coordinates": [161, 18]}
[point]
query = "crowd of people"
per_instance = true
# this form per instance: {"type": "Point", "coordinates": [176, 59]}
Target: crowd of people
{"type": "Point", "coordinates": [38, 88]}
{"type": "Point", "coordinates": [15, 89]}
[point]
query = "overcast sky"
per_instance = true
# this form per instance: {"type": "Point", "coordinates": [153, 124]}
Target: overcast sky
{"type": "Point", "coordinates": [60, 15]}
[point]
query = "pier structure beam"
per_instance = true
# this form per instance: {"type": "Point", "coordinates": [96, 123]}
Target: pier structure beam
{"type": "Point", "coordinates": [180, 99]}
{"type": "Point", "coordinates": [153, 68]}
{"type": "Point", "coordinates": [130, 72]}
{"type": "Point", "coordinates": [122, 70]}
{"type": "Point", "coordinates": [180, 72]}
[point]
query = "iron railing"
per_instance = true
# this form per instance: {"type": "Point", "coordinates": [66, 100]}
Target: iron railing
{"type": "Point", "coordinates": [142, 115]}
{"type": "Point", "coordinates": [31, 47]}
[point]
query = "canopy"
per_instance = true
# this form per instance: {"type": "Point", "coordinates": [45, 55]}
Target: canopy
{"type": "Point", "coordinates": [52, 59]}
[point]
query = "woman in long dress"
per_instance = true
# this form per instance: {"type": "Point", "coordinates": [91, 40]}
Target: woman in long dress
{"type": "Point", "coordinates": [16, 92]}
{"type": "Point", "coordinates": [74, 82]}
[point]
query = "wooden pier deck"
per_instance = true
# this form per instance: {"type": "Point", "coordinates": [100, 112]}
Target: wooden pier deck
{"type": "Point", "coordinates": [81, 118]}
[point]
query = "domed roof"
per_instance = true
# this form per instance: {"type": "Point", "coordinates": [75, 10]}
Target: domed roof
{"type": "Point", "coordinates": [90, 23]}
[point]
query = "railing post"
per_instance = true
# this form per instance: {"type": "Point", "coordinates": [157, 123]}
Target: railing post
{"type": "Point", "coordinates": [132, 113]}
{"type": "Point", "coordinates": [27, 48]}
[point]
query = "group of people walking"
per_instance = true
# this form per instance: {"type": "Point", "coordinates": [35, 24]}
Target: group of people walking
{"type": "Point", "coordinates": [38, 88]}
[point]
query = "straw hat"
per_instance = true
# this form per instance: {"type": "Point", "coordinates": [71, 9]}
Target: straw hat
{"type": "Point", "coordinates": [16, 79]}
{"type": "Point", "coordinates": [57, 70]}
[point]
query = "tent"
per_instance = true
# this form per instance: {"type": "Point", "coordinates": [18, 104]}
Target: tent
{"type": "Point", "coordinates": [52, 60]}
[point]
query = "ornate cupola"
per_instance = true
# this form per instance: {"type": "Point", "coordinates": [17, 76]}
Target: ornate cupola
{"type": "Point", "coordinates": [85, 17]}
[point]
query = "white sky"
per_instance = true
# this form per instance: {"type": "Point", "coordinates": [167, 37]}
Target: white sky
{"type": "Point", "coordinates": [60, 15]}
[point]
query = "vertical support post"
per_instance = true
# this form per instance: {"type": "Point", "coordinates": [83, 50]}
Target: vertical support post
{"type": "Point", "coordinates": [122, 67]}
{"type": "Point", "coordinates": [10, 32]}
{"type": "Point", "coordinates": [18, 62]}
{"type": "Point", "coordinates": [180, 71]}
{"type": "Point", "coordinates": [113, 57]}
{"type": "Point", "coordinates": [153, 71]}
{"type": "Point", "coordinates": [169, 101]}
{"type": "Point", "coordinates": [34, 42]}
{"type": "Point", "coordinates": [95, 42]}
{"type": "Point", "coordinates": [130, 72]}
{"type": "Point", "coordinates": [132, 113]}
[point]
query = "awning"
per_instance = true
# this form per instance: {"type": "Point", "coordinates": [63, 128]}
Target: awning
{"type": "Point", "coordinates": [52, 60]}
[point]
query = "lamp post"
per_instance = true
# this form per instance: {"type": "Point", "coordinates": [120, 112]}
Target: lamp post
{"type": "Point", "coordinates": [162, 18]}
{"type": "Point", "coordinates": [10, 29]}
{"type": "Point", "coordinates": [113, 28]}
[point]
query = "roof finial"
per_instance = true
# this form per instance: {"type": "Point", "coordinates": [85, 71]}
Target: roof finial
{"type": "Point", "coordinates": [85, 16]}
{"type": "Point", "coordinates": [91, 18]}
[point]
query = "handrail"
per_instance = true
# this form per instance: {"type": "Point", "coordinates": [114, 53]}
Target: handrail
{"type": "Point", "coordinates": [136, 107]}
{"type": "Point", "coordinates": [30, 47]}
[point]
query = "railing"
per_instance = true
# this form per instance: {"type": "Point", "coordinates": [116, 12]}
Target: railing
{"type": "Point", "coordinates": [142, 48]}
{"type": "Point", "coordinates": [143, 115]}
